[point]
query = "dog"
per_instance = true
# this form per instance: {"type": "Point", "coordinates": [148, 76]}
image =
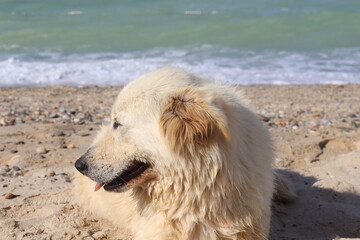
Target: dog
{"type": "Point", "coordinates": [183, 158]}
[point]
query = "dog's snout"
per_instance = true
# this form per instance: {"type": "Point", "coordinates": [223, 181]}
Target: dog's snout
{"type": "Point", "coordinates": [81, 164]}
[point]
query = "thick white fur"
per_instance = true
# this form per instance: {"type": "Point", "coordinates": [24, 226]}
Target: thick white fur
{"type": "Point", "coordinates": [217, 186]}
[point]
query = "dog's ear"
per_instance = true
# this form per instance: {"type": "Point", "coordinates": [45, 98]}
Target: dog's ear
{"type": "Point", "coordinates": [188, 122]}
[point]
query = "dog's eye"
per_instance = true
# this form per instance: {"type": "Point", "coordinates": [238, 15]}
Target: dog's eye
{"type": "Point", "coordinates": [116, 124]}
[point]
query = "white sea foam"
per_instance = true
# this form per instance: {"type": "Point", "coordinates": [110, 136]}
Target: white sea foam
{"type": "Point", "coordinates": [226, 65]}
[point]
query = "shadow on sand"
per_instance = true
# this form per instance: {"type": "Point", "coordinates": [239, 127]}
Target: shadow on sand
{"type": "Point", "coordinates": [317, 214]}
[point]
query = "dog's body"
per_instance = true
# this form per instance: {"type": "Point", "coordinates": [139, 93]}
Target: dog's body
{"type": "Point", "coordinates": [191, 160]}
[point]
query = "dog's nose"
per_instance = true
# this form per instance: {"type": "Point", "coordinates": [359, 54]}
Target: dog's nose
{"type": "Point", "coordinates": [81, 165]}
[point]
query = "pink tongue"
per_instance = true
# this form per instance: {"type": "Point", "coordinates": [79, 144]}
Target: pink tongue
{"type": "Point", "coordinates": [98, 186]}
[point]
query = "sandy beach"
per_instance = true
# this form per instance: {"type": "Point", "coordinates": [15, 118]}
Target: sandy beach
{"type": "Point", "coordinates": [316, 133]}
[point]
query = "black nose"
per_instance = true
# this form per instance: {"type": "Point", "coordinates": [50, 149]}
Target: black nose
{"type": "Point", "coordinates": [81, 165]}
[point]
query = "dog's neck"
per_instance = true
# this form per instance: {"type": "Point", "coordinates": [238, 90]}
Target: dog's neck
{"type": "Point", "coordinates": [204, 206]}
{"type": "Point", "coordinates": [205, 194]}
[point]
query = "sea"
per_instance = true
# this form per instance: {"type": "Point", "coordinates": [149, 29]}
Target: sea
{"type": "Point", "coordinates": [110, 42]}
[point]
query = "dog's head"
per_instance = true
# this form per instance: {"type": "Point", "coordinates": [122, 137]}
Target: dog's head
{"type": "Point", "coordinates": [159, 124]}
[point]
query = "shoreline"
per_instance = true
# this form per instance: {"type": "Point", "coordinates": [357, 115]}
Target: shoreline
{"type": "Point", "coordinates": [122, 85]}
{"type": "Point", "coordinates": [316, 133]}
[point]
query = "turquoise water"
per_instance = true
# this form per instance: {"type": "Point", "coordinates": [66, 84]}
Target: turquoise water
{"type": "Point", "coordinates": [86, 42]}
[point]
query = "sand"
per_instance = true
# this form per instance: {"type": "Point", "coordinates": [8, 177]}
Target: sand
{"type": "Point", "coordinates": [316, 132]}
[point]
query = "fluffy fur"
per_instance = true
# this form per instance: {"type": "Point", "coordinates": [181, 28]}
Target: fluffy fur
{"type": "Point", "coordinates": [211, 174]}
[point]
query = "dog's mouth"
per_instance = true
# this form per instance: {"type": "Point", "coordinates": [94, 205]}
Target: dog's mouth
{"type": "Point", "coordinates": [130, 174]}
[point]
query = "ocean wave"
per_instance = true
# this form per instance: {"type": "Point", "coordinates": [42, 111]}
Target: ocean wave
{"type": "Point", "coordinates": [228, 65]}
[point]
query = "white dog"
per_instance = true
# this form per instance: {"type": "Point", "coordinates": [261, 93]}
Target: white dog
{"type": "Point", "coordinates": [183, 158]}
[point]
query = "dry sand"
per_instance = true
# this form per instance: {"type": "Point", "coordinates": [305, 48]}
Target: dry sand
{"type": "Point", "coordinates": [43, 131]}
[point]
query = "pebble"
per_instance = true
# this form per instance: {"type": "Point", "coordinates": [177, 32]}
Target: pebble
{"type": "Point", "coordinates": [14, 151]}
{"type": "Point", "coordinates": [41, 150]}
{"type": "Point", "coordinates": [59, 134]}
{"type": "Point", "coordinates": [83, 134]}
{"type": "Point", "coordinates": [53, 115]}
{"type": "Point", "coordinates": [314, 123]}
{"type": "Point", "coordinates": [11, 121]}
{"type": "Point", "coordinates": [80, 115]}
{"type": "Point", "coordinates": [353, 124]}
{"type": "Point", "coordinates": [52, 173]}
{"type": "Point", "coordinates": [20, 143]}
{"type": "Point", "coordinates": [19, 120]}
{"type": "Point", "coordinates": [65, 116]}
{"type": "Point", "coordinates": [39, 231]}
{"type": "Point", "coordinates": [315, 115]}
{"type": "Point", "coordinates": [352, 115]}
{"type": "Point", "coordinates": [99, 235]}
{"type": "Point", "coordinates": [327, 122]}
{"type": "Point", "coordinates": [70, 146]}
{"type": "Point", "coordinates": [62, 110]}
{"type": "Point", "coordinates": [16, 174]}
{"type": "Point", "coordinates": [9, 196]}
{"type": "Point", "coordinates": [3, 122]}
{"type": "Point", "coordinates": [264, 118]}
{"type": "Point", "coordinates": [3, 170]}
{"type": "Point", "coordinates": [16, 168]}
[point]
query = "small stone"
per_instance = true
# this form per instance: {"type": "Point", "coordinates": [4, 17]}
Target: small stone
{"type": "Point", "coordinates": [52, 173]}
{"type": "Point", "coordinates": [41, 150]}
{"type": "Point", "coordinates": [20, 143]}
{"type": "Point", "coordinates": [3, 122]}
{"type": "Point", "coordinates": [353, 124]}
{"type": "Point", "coordinates": [53, 115]}
{"type": "Point", "coordinates": [3, 170]}
{"type": "Point", "coordinates": [14, 151]}
{"type": "Point", "coordinates": [70, 146]}
{"type": "Point", "coordinates": [352, 115]}
{"type": "Point", "coordinates": [19, 120]}
{"type": "Point", "coordinates": [9, 196]}
{"type": "Point", "coordinates": [16, 168]}
{"type": "Point", "coordinates": [11, 121]}
{"type": "Point", "coordinates": [315, 115]}
{"type": "Point", "coordinates": [76, 120]}
{"type": "Point", "coordinates": [83, 134]}
{"type": "Point", "coordinates": [99, 235]}
{"type": "Point", "coordinates": [314, 123]}
{"type": "Point", "coordinates": [39, 231]}
{"type": "Point", "coordinates": [80, 115]}
{"type": "Point", "coordinates": [59, 134]}
{"type": "Point", "coordinates": [16, 174]}
{"type": "Point", "coordinates": [62, 110]}
{"type": "Point", "coordinates": [326, 122]}
{"type": "Point", "coordinates": [65, 117]}
{"type": "Point", "coordinates": [300, 112]}
{"type": "Point", "coordinates": [286, 120]}
{"type": "Point", "coordinates": [264, 118]}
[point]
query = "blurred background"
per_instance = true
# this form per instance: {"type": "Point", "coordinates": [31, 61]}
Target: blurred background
{"type": "Point", "coordinates": [95, 42]}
